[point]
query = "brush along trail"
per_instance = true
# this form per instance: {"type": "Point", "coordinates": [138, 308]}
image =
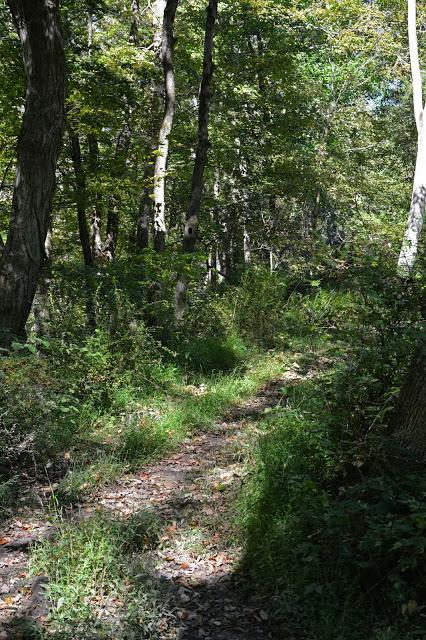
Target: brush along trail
{"type": "Point", "coordinates": [192, 494]}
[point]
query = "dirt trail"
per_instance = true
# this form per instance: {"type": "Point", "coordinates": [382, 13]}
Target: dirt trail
{"type": "Point", "coordinates": [192, 493]}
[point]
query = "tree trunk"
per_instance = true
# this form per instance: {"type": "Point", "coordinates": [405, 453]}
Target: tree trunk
{"type": "Point", "coordinates": [121, 152]}
{"type": "Point", "coordinates": [81, 204]}
{"type": "Point", "coordinates": [316, 210]}
{"type": "Point", "coordinates": [146, 205]}
{"type": "Point", "coordinates": [408, 254]}
{"type": "Point", "coordinates": [158, 8]}
{"type": "Point", "coordinates": [409, 249]}
{"type": "Point", "coordinates": [134, 27]}
{"type": "Point", "coordinates": [39, 144]}
{"type": "Point", "coordinates": [166, 57]}
{"type": "Point", "coordinates": [411, 408]}
{"type": "Point", "coordinates": [247, 248]}
{"type": "Point", "coordinates": [41, 309]}
{"type": "Point", "coordinates": [95, 229]}
{"type": "Point", "coordinates": [80, 199]}
{"type": "Point", "coordinates": [191, 226]}
{"type": "Point", "coordinates": [145, 210]}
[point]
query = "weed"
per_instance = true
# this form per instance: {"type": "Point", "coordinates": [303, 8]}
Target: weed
{"type": "Point", "coordinates": [92, 568]}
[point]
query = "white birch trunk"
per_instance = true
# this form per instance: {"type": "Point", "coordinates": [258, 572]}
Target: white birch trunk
{"type": "Point", "coordinates": [166, 56]}
{"type": "Point", "coordinates": [409, 249]}
{"type": "Point", "coordinates": [247, 248]}
{"type": "Point", "coordinates": [157, 7]}
{"type": "Point", "coordinates": [408, 254]}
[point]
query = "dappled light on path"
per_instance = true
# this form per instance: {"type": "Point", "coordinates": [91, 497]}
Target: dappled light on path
{"type": "Point", "coordinates": [191, 496]}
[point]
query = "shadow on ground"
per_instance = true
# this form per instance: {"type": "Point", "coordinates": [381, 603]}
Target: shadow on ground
{"type": "Point", "coordinates": [193, 572]}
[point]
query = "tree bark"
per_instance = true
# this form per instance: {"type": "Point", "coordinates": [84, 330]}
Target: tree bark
{"type": "Point", "coordinates": [191, 226]}
{"type": "Point", "coordinates": [247, 247]}
{"type": "Point", "coordinates": [95, 229]}
{"type": "Point", "coordinates": [81, 204]}
{"type": "Point", "coordinates": [411, 408]}
{"type": "Point", "coordinates": [134, 27]}
{"type": "Point", "coordinates": [113, 221]}
{"type": "Point", "coordinates": [146, 205]}
{"type": "Point", "coordinates": [39, 144]}
{"type": "Point", "coordinates": [408, 254]}
{"type": "Point", "coordinates": [80, 193]}
{"type": "Point", "coordinates": [145, 210]}
{"type": "Point", "coordinates": [41, 309]}
{"type": "Point", "coordinates": [166, 57]}
{"type": "Point", "coordinates": [410, 244]}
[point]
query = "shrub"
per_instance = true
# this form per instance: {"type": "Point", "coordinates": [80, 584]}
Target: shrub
{"type": "Point", "coordinates": [335, 518]}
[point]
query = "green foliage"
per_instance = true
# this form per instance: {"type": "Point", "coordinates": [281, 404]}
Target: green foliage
{"type": "Point", "coordinates": [84, 478]}
{"type": "Point", "coordinates": [338, 535]}
{"type": "Point", "coordinates": [312, 140]}
{"type": "Point", "coordinates": [93, 567]}
{"type": "Point", "coordinates": [38, 414]}
{"type": "Point", "coordinates": [258, 306]}
{"type": "Point", "coordinates": [141, 440]}
{"type": "Point", "coordinates": [9, 490]}
{"type": "Point", "coordinates": [211, 353]}
{"type": "Point", "coordinates": [334, 511]}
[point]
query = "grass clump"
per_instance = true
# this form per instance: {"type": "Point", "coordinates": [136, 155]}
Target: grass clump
{"type": "Point", "coordinates": [141, 441]}
{"type": "Point", "coordinates": [82, 479]}
{"type": "Point", "coordinates": [94, 568]}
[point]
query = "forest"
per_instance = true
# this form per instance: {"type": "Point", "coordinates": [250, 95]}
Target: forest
{"type": "Point", "coordinates": [212, 320]}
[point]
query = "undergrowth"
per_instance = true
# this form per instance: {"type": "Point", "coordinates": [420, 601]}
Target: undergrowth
{"type": "Point", "coordinates": [100, 584]}
{"type": "Point", "coordinates": [334, 513]}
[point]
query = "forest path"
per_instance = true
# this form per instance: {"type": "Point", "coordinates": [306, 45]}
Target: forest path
{"type": "Point", "coordinates": [192, 493]}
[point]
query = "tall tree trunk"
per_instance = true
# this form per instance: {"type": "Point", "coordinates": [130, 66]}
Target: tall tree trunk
{"type": "Point", "coordinates": [191, 226]}
{"type": "Point", "coordinates": [121, 152]}
{"type": "Point", "coordinates": [134, 27]}
{"type": "Point", "coordinates": [146, 205]}
{"type": "Point", "coordinates": [41, 309]}
{"type": "Point", "coordinates": [411, 408]}
{"type": "Point", "coordinates": [39, 144]}
{"type": "Point", "coordinates": [166, 57]}
{"type": "Point", "coordinates": [95, 228]}
{"type": "Point", "coordinates": [316, 210]}
{"type": "Point", "coordinates": [247, 247]}
{"type": "Point", "coordinates": [145, 210]}
{"type": "Point", "coordinates": [80, 198]}
{"type": "Point", "coordinates": [81, 204]}
{"type": "Point", "coordinates": [408, 254]}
